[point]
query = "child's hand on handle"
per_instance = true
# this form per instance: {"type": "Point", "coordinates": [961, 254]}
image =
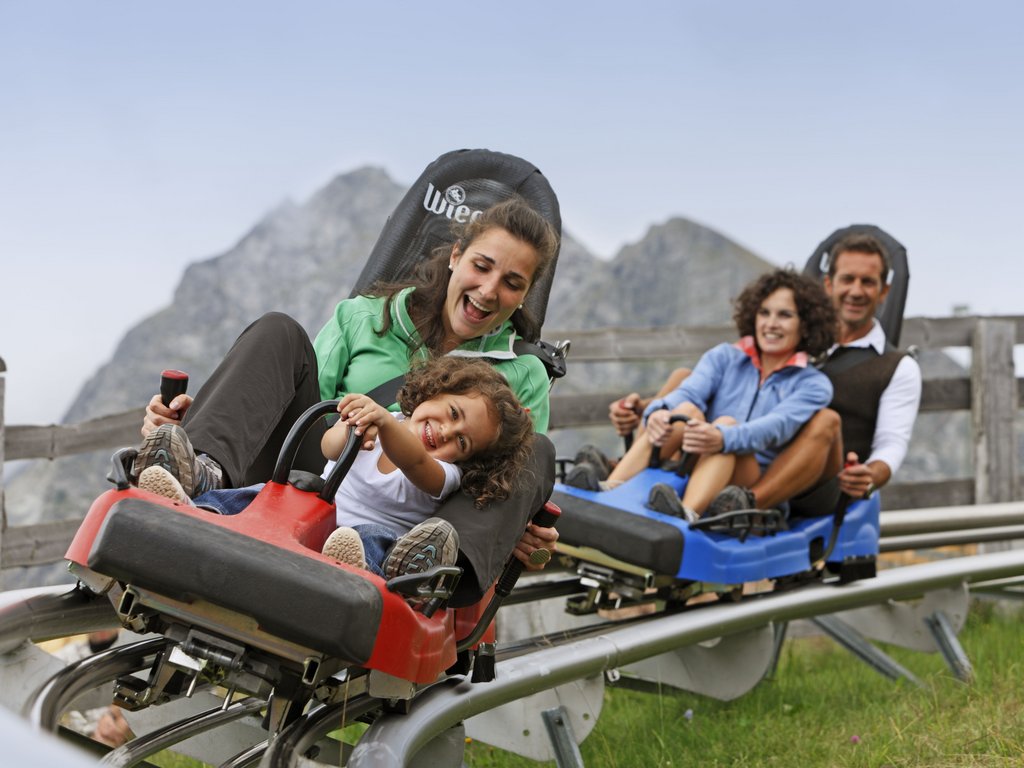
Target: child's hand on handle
{"type": "Point", "coordinates": [364, 415]}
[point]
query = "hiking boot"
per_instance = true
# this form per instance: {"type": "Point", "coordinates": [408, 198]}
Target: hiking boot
{"type": "Point", "coordinates": [158, 480]}
{"type": "Point", "coordinates": [432, 542]}
{"type": "Point", "coordinates": [208, 475]}
{"type": "Point", "coordinates": [593, 455]}
{"type": "Point", "coordinates": [584, 476]}
{"type": "Point", "coordinates": [730, 499]}
{"type": "Point", "coordinates": [345, 546]}
{"type": "Point", "coordinates": [663, 498]}
{"type": "Point", "coordinates": [168, 446]}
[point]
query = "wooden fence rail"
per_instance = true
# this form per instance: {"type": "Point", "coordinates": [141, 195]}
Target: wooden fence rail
{"type": "Point", "coordinates": [990, 392]}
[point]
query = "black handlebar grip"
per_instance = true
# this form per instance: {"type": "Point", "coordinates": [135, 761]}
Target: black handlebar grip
{"type": "Point", "coordinates": [655, 460]}
{"type": "Point", "coordinates": [545, 517]}
{"type": "Point", "coordinates": [172, 384]}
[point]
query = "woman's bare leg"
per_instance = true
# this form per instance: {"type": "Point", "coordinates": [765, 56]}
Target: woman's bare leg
{"type": "Point", "coordinates": [814, 455]}
{"type": "Point", "coordinates": [711, 475]}
{"type": "Point", "coordinates": [638, 457]}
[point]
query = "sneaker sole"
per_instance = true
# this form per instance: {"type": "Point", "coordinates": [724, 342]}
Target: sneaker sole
{"type": "Point", "coordinates": [431, 543]}
{"type": "Point", "coordinates": [161, 482]}
{"type": "Point", "coordinates": [345, 546]}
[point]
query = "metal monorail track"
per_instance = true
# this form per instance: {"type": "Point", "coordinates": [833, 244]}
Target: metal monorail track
{"type": "Point", "coordinates": [393, 740]}
{"type": "Point", "coordinates": [524, 668]}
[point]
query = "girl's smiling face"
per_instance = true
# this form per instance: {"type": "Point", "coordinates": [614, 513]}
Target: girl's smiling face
{"type": "Point", "coordinates": [488, 282]}
{"type": "Point", "coordinates": [454, 427]}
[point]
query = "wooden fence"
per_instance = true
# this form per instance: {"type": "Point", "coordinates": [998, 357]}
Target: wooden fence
{"type": "Point", "coordinates": [990, 392]}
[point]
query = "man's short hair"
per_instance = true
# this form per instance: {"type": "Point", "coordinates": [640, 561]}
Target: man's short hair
{"type": "Point", "coordinates": [859, 243]}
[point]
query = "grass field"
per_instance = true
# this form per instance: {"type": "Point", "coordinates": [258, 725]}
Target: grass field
{"type": "Point", "coordinates": [823, 708]}
{"type": "Point", "coordinates": [826, 708]}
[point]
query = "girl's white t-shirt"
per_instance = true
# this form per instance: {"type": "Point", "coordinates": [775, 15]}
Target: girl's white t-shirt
{"type": "Point", "coordinates": [367, 495]}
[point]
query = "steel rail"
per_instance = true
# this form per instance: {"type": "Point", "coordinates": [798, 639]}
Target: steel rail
{"type": "Point", "coordinates": [949, 538]}
{"type": "Point", "coordinates": [934, 519]}
{"type": "Point", "coordinates": [53, 612]}
{"type": "Point", "coordinates": [247, 757]}
{"type": "Point", "coordinates": [297, 738]}
{"type": "Point", "coordinates": [140, 748]}
{"type": "Point", "coordinates": [46, 705]}
{"type": "Point", "coordinates": [393, 740]}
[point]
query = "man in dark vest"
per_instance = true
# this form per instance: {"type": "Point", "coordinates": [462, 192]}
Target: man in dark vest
{"type": "Point", "coordinates": [861, 440]}
{"type": "Point", "coordinates": [877, 392]}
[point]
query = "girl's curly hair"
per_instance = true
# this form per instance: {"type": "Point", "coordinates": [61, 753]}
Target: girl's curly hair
{"type": "Point", "coordinates": [817, 316]}
{"type": "Point", "coordinates": [490, 474]}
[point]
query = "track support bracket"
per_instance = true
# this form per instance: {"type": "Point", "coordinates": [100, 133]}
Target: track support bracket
{"type": "Point", "coordinates": [563, 741]}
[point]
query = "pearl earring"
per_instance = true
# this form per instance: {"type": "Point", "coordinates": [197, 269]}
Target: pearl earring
{"type": "Point", "coordinates": [520, 306]}
{"type": "Point", "coordinates": [451, 267]}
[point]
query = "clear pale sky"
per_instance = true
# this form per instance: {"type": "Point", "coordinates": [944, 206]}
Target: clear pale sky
{"type": "Point", "coordinates": [138, 137]}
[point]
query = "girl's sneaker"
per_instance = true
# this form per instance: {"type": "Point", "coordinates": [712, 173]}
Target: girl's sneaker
{"type": "Point", "coordinates": [433, 542]}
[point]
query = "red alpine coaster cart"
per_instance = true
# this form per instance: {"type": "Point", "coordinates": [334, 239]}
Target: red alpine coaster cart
{"type": "Point", "coordinates": [247, 604]}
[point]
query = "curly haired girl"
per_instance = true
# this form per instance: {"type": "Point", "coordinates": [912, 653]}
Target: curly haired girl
{"type": "Point", "coordinates": [460, 425]}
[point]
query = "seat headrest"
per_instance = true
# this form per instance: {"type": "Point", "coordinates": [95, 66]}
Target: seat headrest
{"type": "Point", "coordinates": [890, 313]}
{"type": "Point", "coordinates": [454, 186]}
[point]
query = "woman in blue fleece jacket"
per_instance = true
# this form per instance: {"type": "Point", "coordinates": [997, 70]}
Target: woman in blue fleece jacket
{"type": "Point", "coordinates": [745, 400]}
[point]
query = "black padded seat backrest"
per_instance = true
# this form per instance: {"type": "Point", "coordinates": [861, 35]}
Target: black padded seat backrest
{"type": "Point", "coordinates": [454, 187]}
{"type": "Point", "coordinates": [890, 313]}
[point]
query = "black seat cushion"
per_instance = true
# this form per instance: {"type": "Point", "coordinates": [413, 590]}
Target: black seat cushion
{"type": "Point", "coordinates": [299, 599]}
{"type": "Point", "coordinates": [623, 535]}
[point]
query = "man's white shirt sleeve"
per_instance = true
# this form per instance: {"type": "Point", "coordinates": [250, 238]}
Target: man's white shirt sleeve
{"type": "Point", "coordinates": [897, 409]}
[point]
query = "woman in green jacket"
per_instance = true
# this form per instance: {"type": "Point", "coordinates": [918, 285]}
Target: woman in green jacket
{"type": "Point", "coordinates": [466, 300]}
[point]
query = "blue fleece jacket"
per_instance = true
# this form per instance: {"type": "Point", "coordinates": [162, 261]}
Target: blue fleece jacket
{"type": "Point", "coordinates": [726, 382]}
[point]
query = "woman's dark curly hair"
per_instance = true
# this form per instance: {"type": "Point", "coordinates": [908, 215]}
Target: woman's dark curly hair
{"type": "Point", "coordinates": [492, 473]}
{"type": "Point", "coordinates": [430, 278]}
{"type": "Point", "coordinates": [817, 316]}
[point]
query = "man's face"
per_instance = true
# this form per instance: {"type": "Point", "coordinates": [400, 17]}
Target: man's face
{"type": "Point", "coordinates": [857, 288]}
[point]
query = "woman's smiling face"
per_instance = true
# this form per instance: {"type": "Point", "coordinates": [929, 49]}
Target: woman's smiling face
{"type": "Point", "coordinates": [777, 324]}
{"type": "Point", "coordinates": [488, 282]}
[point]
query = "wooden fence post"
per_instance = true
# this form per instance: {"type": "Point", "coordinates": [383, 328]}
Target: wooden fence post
{"type": "Point", "coordinates": [3, 442]}
{"type": "Point", "coordinates": [994, 405]}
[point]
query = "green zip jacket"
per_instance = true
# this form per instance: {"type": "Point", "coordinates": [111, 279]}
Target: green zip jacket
{"type": "Point", "coordinates": [351, 357]}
